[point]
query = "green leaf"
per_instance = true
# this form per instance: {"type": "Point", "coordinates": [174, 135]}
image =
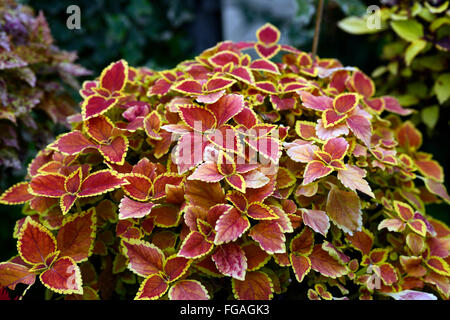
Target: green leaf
{"type": "Point", "coordinates": [442, 87]}
{"type": "Point", "coordinates": [409, 30]}
{"type": "Point", "coordinates": [357, 25]}
{"type": "Point", "coordinates": [430, 116]}
{"type": "Point", "coordinates": [414, 49]}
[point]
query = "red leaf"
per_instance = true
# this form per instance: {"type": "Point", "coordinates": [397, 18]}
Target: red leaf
{"type": "Point", "coordinates": [207, 172]}
{"type": "Point", "coordinates": [195, 246]}
{"type": "Point", "coordinates": [188, 290]}
{"type": "Point", "coordinates": [145, 258]}
{"type": "Point", "coordinates": [319, 103]}
{"type": "Point", "coordinates": [362, 84]}
{"type": "Point", "coordinates": [63, 277]}
{"type": "Point", "coordinates": [267, 52]}
{"type": "Point", "coordinates": [361, 240]}
{"type": "Point", "coordinates": [114, 77]}
{"type": "Point", "coordinates": [198, 118]}
{"type": "Point", "coordinates": [330, 118]}
{"type": "Point", "coordinates": [256, 257]}
{"type": "Point", "coordinates": [96, 105]}
{"type": "Point", "coordinates": [222, 58]}
{"type": "Point", "coordinates": [403, 210]}
{"type": "Point", "coordinates": [191, 87]}
{"type": "Point", "coordinates": [76, 236]}
{"type": "Point", "coordinates": [268, 34]}
{"type": "Point", "coordinates": [175, 267]}
{"type": "Point", "coordinates": [243, 74]}
{"type": "Point", "coordinates": [409, 137]}
{"type": "Point", "coordinates": [336, 148]}
{"type": "Point", "coordinates": [17, 194]}
{"type": "Point", "coordinates": [260, 211]}
{"type": "Point", "coordinates": [116, 150]}
{"type": "Point", "coordinates": [301, 266]}
{"type": "Point", "coordinates": [230, 260]}
{"type": "Point", "coordinates": [139, 186]}
{"type": "Point", "coordinates": [230, 226]}
{"type": "Point", "coordinates": [72, 143]}
{"type": "Point", "coordinates": [391, 104]}
{"type": "Point", "coordinates": [315, 170]}
{"type": "Point", "coordinates": [316, 220]}
{"type": "Point", "coordinates": [302, 152]}
{"type": "Point", "coordinates": [266, 87]}
{"type": "Point", "coordinates": [129, 208]}
{"type": "Point", "coordinates": [100, 182]}
{"type": "Point", "coordinates": [387, 273]}
{"type": "Point", "coordinates": [256, 286]}
{"type": "Point", "coordinates": [12, 273]}
{"type": "Point", "coordinates": [237, 182]}
{"type": "Point", "coordinates": [100, 128]}
{"type": "Point", "coordinates": [361, 128]}
{"type": "Point", "coordinates": [218, 84]}
{"type": "Point", "coordinates": [35, 242]}
{"type": "Point", "coordinates": [264, 65]}
{"type": "Point", "coordinates": [269, 236]}
{"type": "Point", "coordinates": [203, 194]}
{"type": "Point", "coordinates": [353, 178]}
{"type": "Point", "coordinates": [325, 264]}
{"type": "Point", "coordinates": [48, 185]}
{"type": "Point", "coordinates": [303, 242]}
{"type": "Point", "coordinates": [227, 107]}
{"type": "Point", "coordinates": [152, 288]}
{"type": "Point", "coordinates": [345, 102]}
{"type": "Point", "coordinates": [430, 169]}
{"type": "Point", "coordinates": [344, 209]}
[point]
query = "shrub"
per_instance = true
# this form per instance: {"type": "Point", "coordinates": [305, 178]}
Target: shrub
{"type": "Point", "coordinates": [32, 72]}
{"type": "Point", "coordinates": [415, 43]}
{"type": "Point", "coordinates": [231, 176]}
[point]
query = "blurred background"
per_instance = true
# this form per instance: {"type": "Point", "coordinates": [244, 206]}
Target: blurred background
{"type": "Point", "coordinates": [161, 33]}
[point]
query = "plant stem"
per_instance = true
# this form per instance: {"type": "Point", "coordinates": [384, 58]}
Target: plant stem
{"type": "Point", "coordinates": [317, 29]}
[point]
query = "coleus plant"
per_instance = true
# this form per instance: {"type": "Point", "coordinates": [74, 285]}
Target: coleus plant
{"type": "Point", "coordinates": [415, 37]}
{"type": "Point", "coordinates": [233, 177]}
{"type": "Point", "coordinates": [33, 72]}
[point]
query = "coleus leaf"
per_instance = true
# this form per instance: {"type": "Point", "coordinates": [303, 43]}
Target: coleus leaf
{"type": "Point", "coordinates": [64, 277]}
{"type": "Point", "coordinates": [100, 182]}
{"type": "Point", "coordinates": [230, 226]}
{"type": "Point", "coordinates": [152, 288]}
{"type": "Point", "coordinates": [257, 285]}
{"type": "Point", "coordinates": [76, 236]}
{"type": "Point", "coordinates": [316, 220]}
{"type": "Point", "coordinates": [175, 267]}
{"type": "Point", "coordinates": [35, 242]}
{"type": "Point", "coordinates": [188, 290]}
{"type": "Point", "coordinates": [269, 236]}
{"type": "Point", "coordinates": [17, 194]}
{"type": "Point", "coordinates": [344, 209]}
{"type": "Point", "coordinates": [411, 295]}
{"type": "Point", "coordinates": [315, 170]}
{"type": "Point", "coordinates": [114, 77]}
{"type": "Point", "coordinates": [301, 265]}
{"type": "Point", "coordinates": [145, 258]}
{"type": "Point", "coordinates": [12, 274]}
{"type": "Point", "coordinates": [230, 260]}
{"type": "Point", "coordinates": [353, 178]}
{"type": "Point", "coordinates": [129, 208]}
{"type": "Point", "coordinates": [325, 264]}
{"type": "Point", "coordinates": [195, 246]}
{"type": "Point", "coordinates": [256, 257]}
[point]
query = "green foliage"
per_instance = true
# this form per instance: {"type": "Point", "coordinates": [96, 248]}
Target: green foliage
{"type": "Point", "coordinates": [415, 41]}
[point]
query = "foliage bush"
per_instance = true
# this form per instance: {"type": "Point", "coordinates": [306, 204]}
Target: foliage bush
{"type": "Point", "coordinates": [232, 176]}
{"type": "Point", "coordinates": [415, 37]}
{"type": "Point", "coordinates": [32, 95]}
